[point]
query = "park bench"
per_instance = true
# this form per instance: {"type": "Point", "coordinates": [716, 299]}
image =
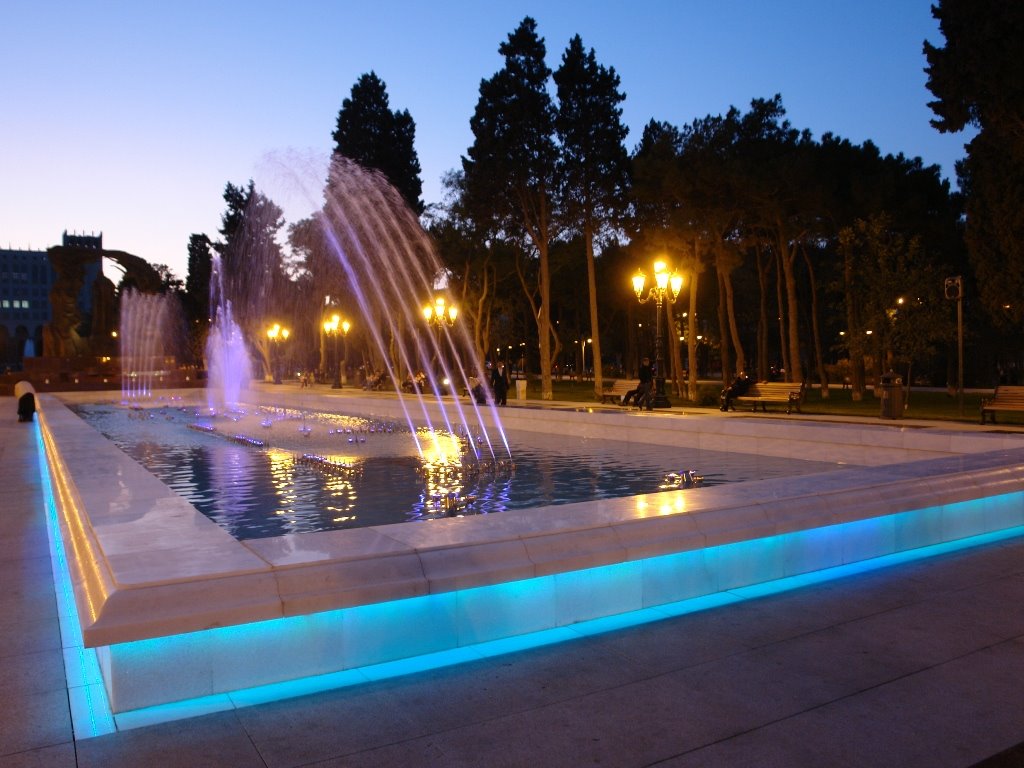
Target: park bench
{"type": "Point", "coordinates": [617, 390]}
{"type": "Point", "coordinates": [1005, 399]}
{"type": "Point", "coordinates": [765, 392]}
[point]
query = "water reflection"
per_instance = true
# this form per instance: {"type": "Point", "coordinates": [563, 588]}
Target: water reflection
{"type": "Point", "coordinates": [346, 471]}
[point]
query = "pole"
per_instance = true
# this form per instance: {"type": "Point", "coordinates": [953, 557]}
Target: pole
{"type": "Point", "coordinates": [337, 364]}
{"type": "Point", "coordinates": [660, 399]}
{"type": "Point", "coordinates": [344, 356]}
{"type": "Point", "coordinates": [960, 351]}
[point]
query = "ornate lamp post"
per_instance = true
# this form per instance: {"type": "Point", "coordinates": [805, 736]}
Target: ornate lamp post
{"type": "Point", "coordinates": [954, 291]}
{"type": "Point", "coordinates": [276, 336]}
{"type": "Point", "coordinates": [331, 328]}
{"type": "Point", "coordinates": [440, 315]}
{"type": "Point", "coordinates": [666, 286]}
{"type": "Point", "coordinates": [345, 326]}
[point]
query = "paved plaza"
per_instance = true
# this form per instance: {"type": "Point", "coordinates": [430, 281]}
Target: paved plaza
{"type": "Point", "coordinates": [917, 664]}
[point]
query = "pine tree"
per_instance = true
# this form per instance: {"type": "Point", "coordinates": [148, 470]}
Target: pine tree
{"type": "Point", "coordinates": [511, 167]}
{"type": "Point", "coordinates": [594, 163]}
{"type": "Point", "coordinates": [369, 133]}
{"type": "Point", "coordinates": [978, 82]}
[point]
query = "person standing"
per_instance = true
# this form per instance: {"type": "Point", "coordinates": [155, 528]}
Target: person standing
{"type": "Point", "coordinates": [499, 384]}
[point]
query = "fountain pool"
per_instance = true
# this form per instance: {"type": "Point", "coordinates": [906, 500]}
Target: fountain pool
{"type": "Point", "coordinates": [169, 600]}
{"type": "Point", "coordinates": [273, 471]}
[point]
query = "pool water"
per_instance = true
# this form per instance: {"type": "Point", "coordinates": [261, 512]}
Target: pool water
{"type": "Point", "coordinates": [274, 472]}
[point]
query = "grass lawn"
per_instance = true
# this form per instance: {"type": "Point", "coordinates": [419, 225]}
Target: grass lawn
{"type": "Point", "coordinates": [921, 404]}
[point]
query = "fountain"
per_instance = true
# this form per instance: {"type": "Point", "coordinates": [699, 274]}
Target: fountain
{"type": "Point", "coordinates": [391, 266]}
{"type": "Point", "coordinates": [227, 358]}
{"type": "Point", "coordinates": [177, 608]}
{"type": "Point", "coordinates": [145, 324]}
{"type": "Point", "coordinates": [374, 235]}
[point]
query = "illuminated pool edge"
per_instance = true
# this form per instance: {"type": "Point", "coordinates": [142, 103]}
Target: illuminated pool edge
{"type": "Point", "coordinates": [147, 672]}
{"type": "Point", "coordinates": [92, 713]}
{"type": "Point", "coordinates": [87, 696]}
{"type": "Point", "coordinates": [557, 606]}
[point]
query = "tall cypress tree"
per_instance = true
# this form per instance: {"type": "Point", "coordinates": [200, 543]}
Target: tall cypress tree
{"type": "Point", "coordinates": [594, 163]}
{"type": "Point", "coordinates": [510, 172]}
{"type": "Point", "coordinates": [252, 262]}
{"type": "Point", "coordinates": [374, 136]}
{"type": "Point", "coordinates": [197, 282]}
{"type": "Point", "coordinates": [978, 82]}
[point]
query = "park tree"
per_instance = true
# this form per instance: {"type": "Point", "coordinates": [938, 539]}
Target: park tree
{"type": "Point", "coordinates": [594, 167]}
{"type": "Point", "coordinates": [252, 265]}
{"type": "Point", "coordinates": [320, 280]}
{"type": "Point", "coordinates": [896, 313]}
{"type": "Point", "coordinates": [511, 167]}
{"type": "Point", "coordinates": [479, 266]}
{"type": "Point", "coordinates": [715, 196]}
{"type": "Point", "coordinates": [196, 298]}
{"type": "Point", "coordinates": [779, 169]}
{"type": "Point", "coordinates": [372, 134]}
{"type": "Point", "coordinates": [197, 281]}
{"type": "Point", "coordinates": [978, 82]}
{"type": "Point", "coordinates": [663, 223]}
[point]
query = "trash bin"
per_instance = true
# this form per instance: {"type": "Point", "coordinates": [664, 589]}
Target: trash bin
{"type": "Point", "coordinates": [520, 389]}
{"type": "Point", "coordinates": [891, 393]}
{"type": "Point", "coordinates": [26, 395]}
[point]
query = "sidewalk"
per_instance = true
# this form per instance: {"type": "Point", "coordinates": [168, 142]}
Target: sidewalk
{"type": "Point", "coordinates": [919, 663]}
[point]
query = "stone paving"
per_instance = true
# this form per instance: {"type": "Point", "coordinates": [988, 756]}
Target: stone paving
{"type": "Point", "coordinates": [919, 664]}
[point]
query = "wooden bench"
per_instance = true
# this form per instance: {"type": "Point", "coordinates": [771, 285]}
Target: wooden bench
{"type": "Point", "coordinates": [1006, 398]}
{"type": "Point", "coordinates": [765, 392]}
{"type": "Point", "coordinates": [617, 390]}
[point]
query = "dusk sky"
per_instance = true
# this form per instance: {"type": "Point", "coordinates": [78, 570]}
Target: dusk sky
{"type": "Point", "coordinates": [130, 117]}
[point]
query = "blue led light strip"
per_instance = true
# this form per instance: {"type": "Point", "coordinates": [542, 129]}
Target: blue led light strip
{"type": "Point", "coordinates": [90, 709]}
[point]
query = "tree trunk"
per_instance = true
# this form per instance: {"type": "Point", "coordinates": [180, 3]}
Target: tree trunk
{"type": "Point", "coordinates": [853, 336]}
{"type": "Point", "coordinates": [818, 357]}
{"type": "Point", "coordinates": [783, 346]}
{"type": "Point", "coordinates": [734, 331]}
{"type": "Point", "coordinates": [544, 324]}
{"type": "Point", "coordinates": [691, 337]}
{"type": "Point", "coordinates": [788, 254]}
{"type": "Point", "coordinates": [762, 321]}
{"type": "Point", "coordinates": [723, 330]}
{"type": "Point", "coordinates": [675, 357]}
{"type": "Point", "coordinates": [595, 334]}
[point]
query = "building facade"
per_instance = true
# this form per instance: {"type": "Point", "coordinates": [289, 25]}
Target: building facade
{"type": "Point", "coordinates": [25, 281]}
{"type": "Point", "coordinates": [26, 278]}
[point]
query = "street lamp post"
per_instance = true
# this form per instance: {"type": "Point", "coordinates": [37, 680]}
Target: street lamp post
{"type": "Point", "coordinates": [277, 336]}
{"type": "Point", "coordinates": [345, 326]}
{"type": "Point", "coordinates": [439, 316]}
{"type": "Point", "coordinates": [331, 328]}
{"type": "Point", "coordinates": [666, 286]}
{"type": "Point", "coordinates": [954, 290]}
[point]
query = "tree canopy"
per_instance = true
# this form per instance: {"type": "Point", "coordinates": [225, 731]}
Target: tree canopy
{"type": "Point", "coordinates": [978, 81]}
{"type": "Point", "coordinates": [373, 135]}
{"type": "Point", "coordinates": [510, 170]}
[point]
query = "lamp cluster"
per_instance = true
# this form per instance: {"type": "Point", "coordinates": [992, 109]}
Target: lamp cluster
{"type": "Point", "coordinates": [440, 313]}
{"type": "Point", "coordinates": [666, 286]}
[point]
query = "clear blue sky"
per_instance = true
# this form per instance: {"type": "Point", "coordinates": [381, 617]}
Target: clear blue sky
{"type": "Point", "coordinates": [130, 117]}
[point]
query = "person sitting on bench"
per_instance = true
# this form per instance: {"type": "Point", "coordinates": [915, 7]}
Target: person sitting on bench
{"type": "Point", "coordinates": [738, 388]}
{"type": "Point", "coordinates": [642, 394]}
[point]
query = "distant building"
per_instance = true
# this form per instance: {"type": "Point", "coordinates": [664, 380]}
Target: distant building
{"type": "Point", "coordinates": [25, 281]}
{"type": "Point", "coordinates": [26, 278]}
